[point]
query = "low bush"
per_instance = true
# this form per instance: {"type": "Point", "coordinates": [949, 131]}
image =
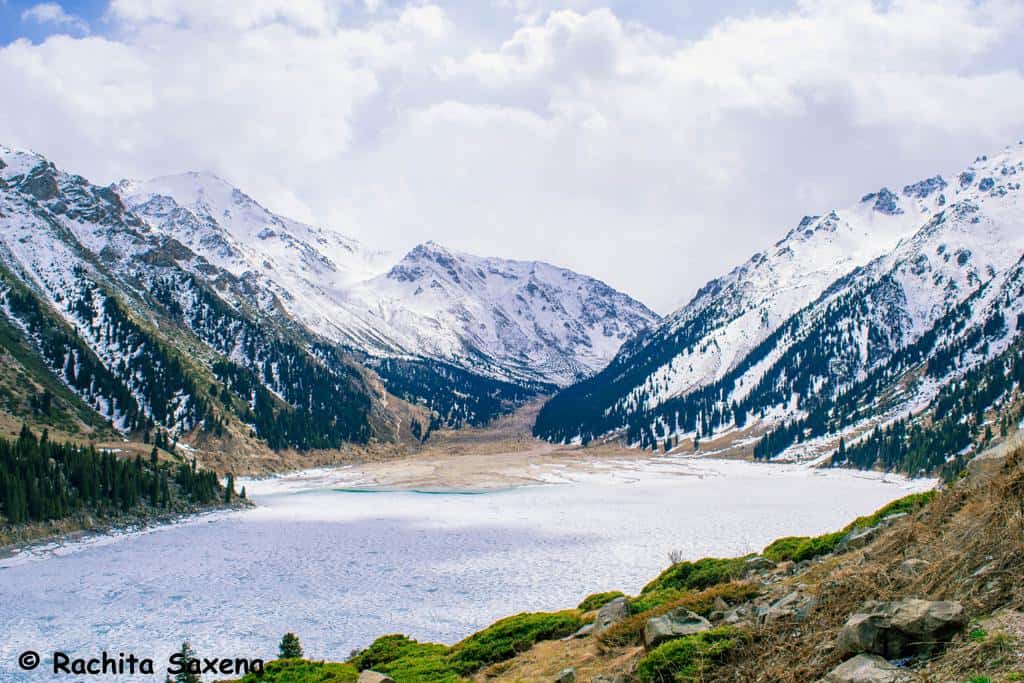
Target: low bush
{"type": "Point", "coordinates": [800, 548]}
{"type": "Point", "coordinates": [697, 575]}
{"type": "Point", "coordinates": [510, 636]}
{"type": "Point", "coordinates": [686, 659]}
{"type": "Point", "coordinates": [908, 504]}
{"type": "Point", "coordinates": [304, 671]}
{"type": "Point", "coordinates": [598, 600]}
{"type": "Point", "coordinates": [629, 630]}
{"type": "Point", "coordinates": [407, 660]}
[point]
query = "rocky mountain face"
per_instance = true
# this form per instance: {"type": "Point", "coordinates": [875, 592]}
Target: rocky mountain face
{"type": "Point", "coordinates": [520, 322]}
{"type": "Point", "coordinates": [182, 307]}
{"type": "Point", "coordinates": [823, 333]}
{"type": "Point", "coordinates": [533, 320]}
{"type": "Point", "coordinates": [113, 325]}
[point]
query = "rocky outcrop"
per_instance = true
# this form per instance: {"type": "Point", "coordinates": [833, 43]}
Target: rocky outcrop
{"type": "Point", "coordinates": [566, 676]}
{"type": "Point", "coordinates": [900, 628]}
{"type": "Point", "coordinates": [610, 614]}
{"type": "Point", "coordinates": [858, 538]}
{"type": "Point", "coordinates": [795, 604]}
{"type": "Point", "coordinates": [374, 677]}
{"type": "Point", "coordinates": [912, 566]}
{"type": "Point", "coordinates": [674, 624]}
{"type": "Point", "coordinates": [866, 669]}
{"type": "Point", "coordinates": [758, 564]}
{"type": "Point", "coordinates": [582, 632]}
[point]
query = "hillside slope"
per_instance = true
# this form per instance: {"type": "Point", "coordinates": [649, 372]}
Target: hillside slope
{"type": "Point", "coordinates": [795, 331]}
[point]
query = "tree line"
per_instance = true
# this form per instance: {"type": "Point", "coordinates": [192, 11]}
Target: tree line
{"type": "Point", "coordinates": [43, 480]}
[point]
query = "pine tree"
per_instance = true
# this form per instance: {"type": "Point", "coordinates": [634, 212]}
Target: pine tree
{"type": "Point", "coordinates": [290, 647]}
{"type": "Point", "coordinates": [187, 655]}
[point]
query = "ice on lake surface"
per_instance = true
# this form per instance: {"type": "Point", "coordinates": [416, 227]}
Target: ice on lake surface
{"type": "Point", "coordinates": [341, 567]}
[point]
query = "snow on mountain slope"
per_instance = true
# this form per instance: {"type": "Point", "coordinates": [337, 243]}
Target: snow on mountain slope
{"type": "Point", "coordinates": [307, 268]}
{"type": "Point", "coordinates": [733, 314]}
{"type": "Point", "coordinates": [838, 296]}
{"type": "Point", "coordinates": [972, 237]}
{"type": "Point", "coordinates": [533, 319]}
{"type": "Point", "coordinates": [67, 240]}
{"type": "Point", "coordinates": [505, 319]}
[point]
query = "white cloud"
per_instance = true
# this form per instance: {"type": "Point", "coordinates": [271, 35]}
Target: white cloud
{"type": "Point", "coordinates": [576, 135]}
{"type": "Point", "coordinates": [52, 13]}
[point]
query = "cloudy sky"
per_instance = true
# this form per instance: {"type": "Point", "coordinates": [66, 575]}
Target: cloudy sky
{"type": "Point", "coordinates": [650, 144]}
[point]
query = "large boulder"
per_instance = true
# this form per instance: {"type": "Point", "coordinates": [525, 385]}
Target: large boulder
{"type": "Point", "coordinates": [374, 677]}
{"type": "Point", "coordinates": [566, 676]}
{"type": "Point", "coordinates": [758, 564]}
{"type": "Point", "coordinates": [610, 614]}
{"type": "Point", "coordinates": [795, 605]}
{"type": "Point", "coordinates": [581, 632]}
{"type": "Point", "coordinates": [866, 669]}
{"type": "Point", "coordinates": [674, 624]}
{"type": "Point", "coordinates": [900, 628]}
{"type": "Point", "coordinates": [858, 538]}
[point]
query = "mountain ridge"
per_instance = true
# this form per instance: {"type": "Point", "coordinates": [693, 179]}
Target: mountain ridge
{"type": "Point", "coordinates": [781, 357]}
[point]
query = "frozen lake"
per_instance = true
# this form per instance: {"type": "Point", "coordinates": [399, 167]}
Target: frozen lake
{"type": "Point", "coordinates": [340, 567]}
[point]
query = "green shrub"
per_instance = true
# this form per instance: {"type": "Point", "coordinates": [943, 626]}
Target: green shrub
{"type": "Point", "coordinates": [979, 679]}
{"type": "Point", "coordinates": [598, 600]}
{"type": "Point", "coordinates": [703, 573]}
{"type": "Point", "coordinates": [304, 671]}
{"type": "Point", "coordinates": [629, 630]}
{"type": "Point", "coordinates": [655, 598]}
{"type": "Point", "coordinates": [978, 635]}
{"type": "Point", "coordinates": [407, 660]}
{"type": "Point", "coordinates": [908, 504]}
{"type": "Point", "coordinates": [686, 659]}
{"type": "Point", "coordinates": [510, 636]}
{"type": "Point", "coordinates": [800, 548]}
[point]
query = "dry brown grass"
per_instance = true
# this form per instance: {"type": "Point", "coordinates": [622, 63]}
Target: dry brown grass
{"type": "Point", "coordinates": [973, 538]}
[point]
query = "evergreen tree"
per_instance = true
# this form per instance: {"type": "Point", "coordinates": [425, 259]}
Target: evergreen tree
{"type": "Point", "coordinates": [187, 655]}
{"type": "Point", "coordinates": [290, 647]}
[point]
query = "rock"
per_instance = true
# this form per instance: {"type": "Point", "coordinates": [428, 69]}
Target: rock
{"type": "Point", "coordinates": [982, 468]}
{"type": "Point", "coordinates": [795, 604]}
{"type": "Point", "coordinates": [866, 669]}
{"type": "Point", "coordinates": [583, 632]}
{"type": "Point", "coordinates": [912, 566]}
{"type": "Point", "coordinates": [889, 520]}
{"type": "Point", "coordinates": [566, 676]}
{"type": "Point", "coordinates": [610, 678]}
{"type": "Point", "coordinates": [719, 604]}
{"type": "Point", "coordinates": [758, 564]}
{"type": "Point", "coordinates": [858, 538]}
{"type": "Point", "coordinates": [716, 616]}
{"type": "Point", "coordinates": [610, 614]}
{"type": "Point", "coordinates": [904, 627]}
{"type": "Point", "coordinates": [374, 677]}
{"type": "Point", "coordinates": [674, 624]}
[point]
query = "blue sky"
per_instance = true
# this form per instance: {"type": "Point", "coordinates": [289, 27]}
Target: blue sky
{"type": "Point", "coordinates": [12, 26]}
{"type": "Point", "coordinates": [652, 144]}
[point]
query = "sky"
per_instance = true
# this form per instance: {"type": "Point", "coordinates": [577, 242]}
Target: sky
{"type": "Point", "coordinates": [653, 145]}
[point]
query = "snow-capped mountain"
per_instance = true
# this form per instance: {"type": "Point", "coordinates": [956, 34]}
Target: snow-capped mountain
{"type": "Point", "coordinates": [534, 320]}
{"type": "Point", "coordinates": [796, 328]}
{"type": "Point", "coordinates": [110, 319]}
{"type": "Point", "coordinates": [517, 321]}
{"type": "Point", "coordinates": [182, 306]}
